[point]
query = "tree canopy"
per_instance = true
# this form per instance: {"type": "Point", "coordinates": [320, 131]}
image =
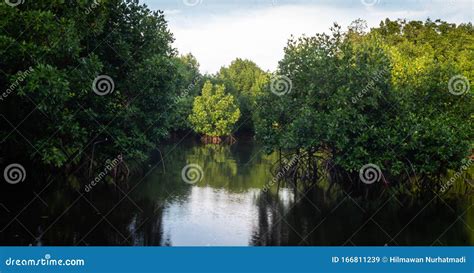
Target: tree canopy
{"type": "Point", "coordinates": [82, 75]}
{"type": "Point", "coordinates": [121, 46]}
{"type": "Point", "coordinates": [245, 81]}
{"type": "Point", "coordinates": [380, 97]}
{"type": "Point", "coordinates": [214, 112]}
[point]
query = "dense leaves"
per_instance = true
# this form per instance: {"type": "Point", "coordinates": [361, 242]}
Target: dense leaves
{"type": "Point", "coordinates": [380, 97]}
{"type": "Point", "coordinates": [214, 112]}
{"type": "Point", "coordinates": [383, 97]}
{"type": "Point", "coordinates": [53, 116]}
{"type": "Point", "coordinates": [245, 81]}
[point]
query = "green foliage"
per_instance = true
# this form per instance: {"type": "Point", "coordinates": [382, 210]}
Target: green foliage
{"type": "Point", "coordinates": [379, 97]}
{"type": "Point", "coordinates": [244, 80]}
{"type": "Point", "coordinates": [67, 46]}
{"type": "Point", "coordinates": [190, 85]}
{"type": "Point", "coordinates": [424, 57]}
{"type": "Point", "coordinates": [214, 112]}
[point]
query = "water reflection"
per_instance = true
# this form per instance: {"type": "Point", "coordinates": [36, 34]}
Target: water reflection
{"type": "Point", "coordinates": [347, 221]}
{"type": "Point", "coordinates": [226, 208]}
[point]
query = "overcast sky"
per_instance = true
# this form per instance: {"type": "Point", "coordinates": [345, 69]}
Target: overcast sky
{"type": "Point", "coordinates": [216, 32]}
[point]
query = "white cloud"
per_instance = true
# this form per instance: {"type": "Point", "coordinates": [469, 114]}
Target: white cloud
{"type": "Point", "coordinates": [170, 12]}
{"type": "Point", "coordinates": [260, 35]}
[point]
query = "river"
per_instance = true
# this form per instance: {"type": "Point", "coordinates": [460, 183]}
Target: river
{"type": "Point", "coordinates": [226, 206]}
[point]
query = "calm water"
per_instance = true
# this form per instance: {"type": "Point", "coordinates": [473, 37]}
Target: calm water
{"type": "Point", "coordinates": [227, 207]}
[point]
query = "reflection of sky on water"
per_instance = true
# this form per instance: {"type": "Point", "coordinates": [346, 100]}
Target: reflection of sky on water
{"type": "Point", "coordinates": [210, 216]}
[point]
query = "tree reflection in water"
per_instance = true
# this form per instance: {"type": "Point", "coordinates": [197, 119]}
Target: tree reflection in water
{"type": "Point", "coordinates": [227, 207]}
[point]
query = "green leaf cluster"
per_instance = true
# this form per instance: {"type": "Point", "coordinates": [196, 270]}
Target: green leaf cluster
{"type": "Point", "coordinates": [57, 116]}
{"type": "Point", "coordinates": [377, 97]}
{"type": "Point", "coordinates": [214, 112]}
{"type": "Point", "coordinates": [245, 81]}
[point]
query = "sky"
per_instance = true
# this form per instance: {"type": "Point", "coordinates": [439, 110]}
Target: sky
{"type": "Point", "coordinates": [216, 32]}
